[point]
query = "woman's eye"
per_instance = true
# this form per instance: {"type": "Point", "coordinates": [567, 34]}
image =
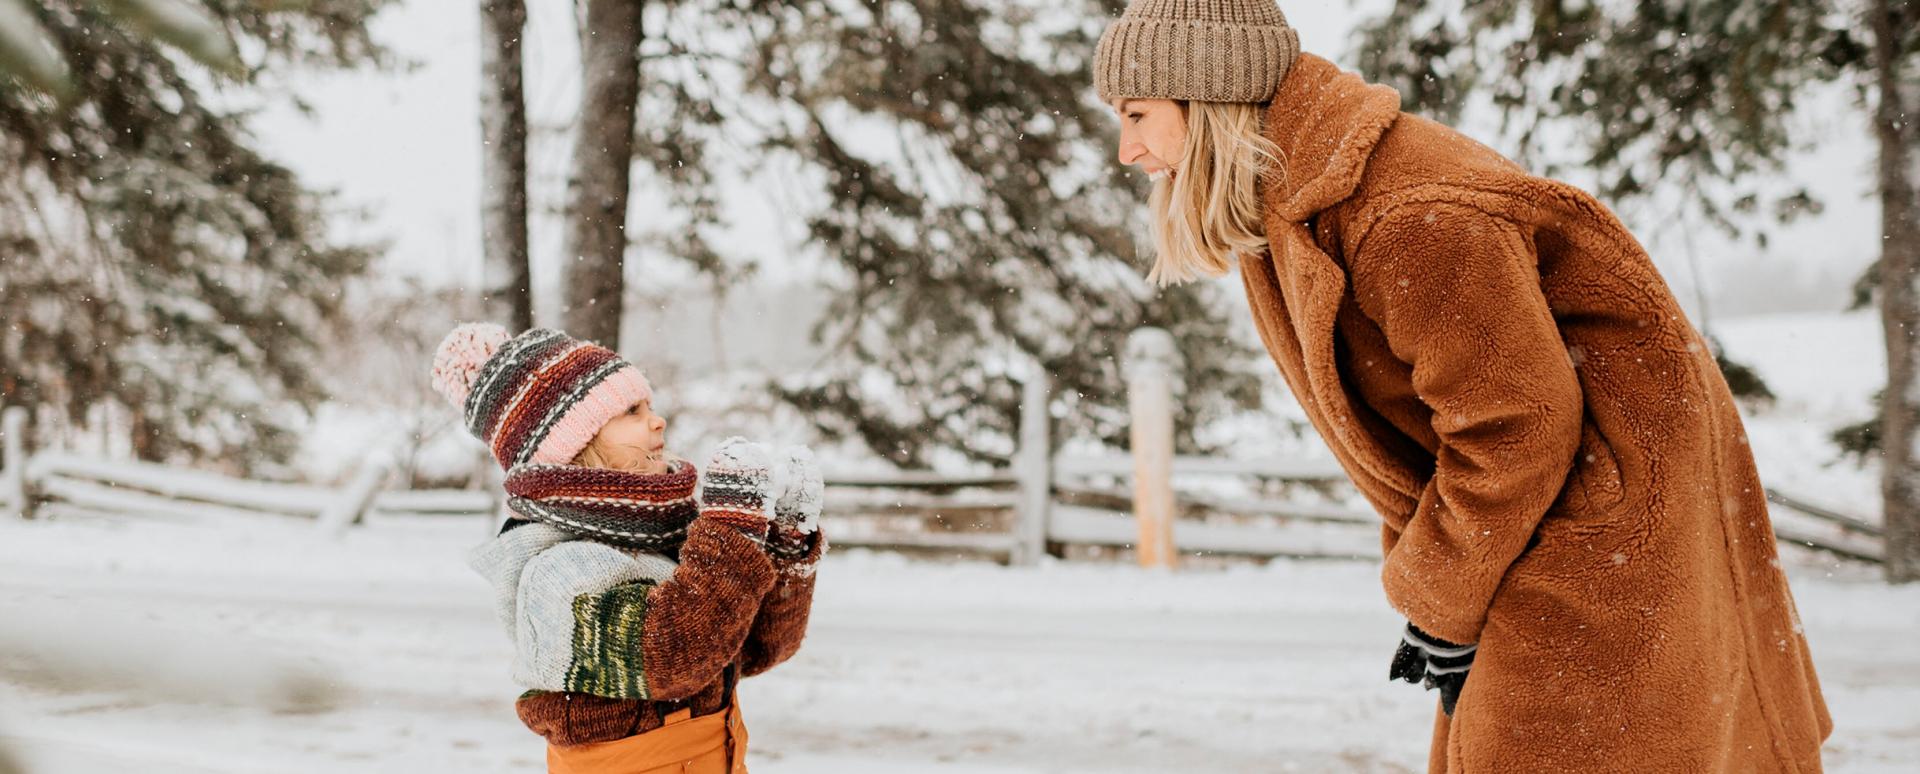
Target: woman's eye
{"type": "Point", "coordinates": [1134, 117]}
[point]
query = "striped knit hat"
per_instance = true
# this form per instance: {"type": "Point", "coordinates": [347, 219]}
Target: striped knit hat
{"type": "Point", "coordinates": [1205, 50]}
{"type": "Point", "coordinates": [539, 397]}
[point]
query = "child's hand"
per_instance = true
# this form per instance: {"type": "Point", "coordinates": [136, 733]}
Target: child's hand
{"type": "Point", "coordinates": [737, 487]}
{"type": "Point", "coordinates": [796, 514]}
{"type": "Point", "coordinates": [803, 493]}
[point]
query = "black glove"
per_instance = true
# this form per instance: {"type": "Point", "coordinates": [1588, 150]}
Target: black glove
{"type": "Point", "coordinates": [1424, 658]}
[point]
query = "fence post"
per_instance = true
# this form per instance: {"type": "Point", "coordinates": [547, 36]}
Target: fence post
{"type": "Point", "coordinates": [13, 478]}
{"type": "Point", "coordinates": [1151, 364]}
{"type": "Point", "coordinates": [347, 509]}
{"type": "Point", "coordinates": [1034, 467]}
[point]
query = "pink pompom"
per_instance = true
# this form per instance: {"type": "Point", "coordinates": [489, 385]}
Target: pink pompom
{"type": "Point", "coordinates": [457, 361]}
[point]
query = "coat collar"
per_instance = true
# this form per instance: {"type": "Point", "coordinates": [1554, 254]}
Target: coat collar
{"type": "Point", "coordinates": [1326, 123]}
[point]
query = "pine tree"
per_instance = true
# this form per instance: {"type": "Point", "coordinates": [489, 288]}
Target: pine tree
{"type": "Point", "coordinates": [967, 202]}
{"type": "Point", "coordinates": [153, 264]}
{"type": "Point", "coordinates": [28, 52]}
{"type": "Point", "coordinates": [1695, 98]}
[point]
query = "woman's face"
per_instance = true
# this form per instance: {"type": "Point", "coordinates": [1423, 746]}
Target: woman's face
{"type": "Point", "coordinates": [1153, 134]}
{"type": "Point", "coordinates": [635, 441]}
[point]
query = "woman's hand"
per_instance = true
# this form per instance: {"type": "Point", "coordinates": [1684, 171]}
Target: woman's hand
{"type": "Point", "coordinates": [1424, 658]}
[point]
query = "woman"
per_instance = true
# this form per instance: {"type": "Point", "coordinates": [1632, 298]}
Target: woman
{"type": "Point", "coordinates": [1574, 528]}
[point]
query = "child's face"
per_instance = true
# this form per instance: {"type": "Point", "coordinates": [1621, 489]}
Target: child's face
{"type": "Point", "coordinates": [636, 441]}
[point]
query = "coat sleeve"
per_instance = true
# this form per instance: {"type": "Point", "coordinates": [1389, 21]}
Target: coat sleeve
{"type": "Point", "coordinates": [782, 621]}
{"type": "Point", "coordinates": [690, 625]}
{"type": "Point", "coordinates": [1457, 293]}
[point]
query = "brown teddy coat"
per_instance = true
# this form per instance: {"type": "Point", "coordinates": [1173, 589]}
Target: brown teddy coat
{"type": "Point", "coordinates": [1563, 477]}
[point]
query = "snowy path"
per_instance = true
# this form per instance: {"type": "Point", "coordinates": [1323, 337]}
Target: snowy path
{"type": "Point", "coordinates": [266, 648]}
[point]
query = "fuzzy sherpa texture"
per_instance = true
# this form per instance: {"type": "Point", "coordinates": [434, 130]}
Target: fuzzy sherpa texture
{"type": "Point", "coordinates": [1559, 464]}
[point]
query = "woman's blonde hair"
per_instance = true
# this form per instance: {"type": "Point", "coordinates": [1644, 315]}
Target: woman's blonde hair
{"type": "Point", "coordinates": [1208, 213]}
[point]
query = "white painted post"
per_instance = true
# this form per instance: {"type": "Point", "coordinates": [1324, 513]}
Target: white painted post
{"type": "Point", "coordinates": [13, 479]}
{"type": "Point", "coordinates": [347, 509]}
{"type": "Point", "coordinates": [1034, 467]}
{"type": "Point", "coordinates": [1151, 365]}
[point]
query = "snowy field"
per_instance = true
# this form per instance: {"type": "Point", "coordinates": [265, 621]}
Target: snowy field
{"type": "Point", "coordinates": [262, 646]}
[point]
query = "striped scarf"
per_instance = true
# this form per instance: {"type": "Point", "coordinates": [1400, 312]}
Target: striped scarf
{"type": "Point", "coordinates": [631, 510]}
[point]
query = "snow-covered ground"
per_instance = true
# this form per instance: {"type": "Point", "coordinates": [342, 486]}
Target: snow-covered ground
{"type": "Point", "coordinates": [250, 646]}
{"type": "Point", "coordinates": [1825, 369]}
{"type": "Point", "coordinates": [265, 646]}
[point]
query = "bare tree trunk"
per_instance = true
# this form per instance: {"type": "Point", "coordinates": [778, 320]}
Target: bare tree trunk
{"type": "Point", "coordinates": [1899, 135]}
{"type": "Point", "coordinates": [507, 277]}
{"type": "Point", "coordinates": [602, 161]}
{"type": "Point", "coordinates": [145, 437]}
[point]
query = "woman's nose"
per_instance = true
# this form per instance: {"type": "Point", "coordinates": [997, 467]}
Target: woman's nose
{"type": "Point", "coordinates": [1130, 152]}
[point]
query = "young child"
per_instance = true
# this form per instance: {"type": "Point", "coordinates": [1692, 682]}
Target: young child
{"type": "Point", "coordinates": [634, 608]}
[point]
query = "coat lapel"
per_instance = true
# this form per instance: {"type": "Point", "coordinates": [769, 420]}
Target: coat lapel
{"type": "Point", "coordinates": [1326, 124]}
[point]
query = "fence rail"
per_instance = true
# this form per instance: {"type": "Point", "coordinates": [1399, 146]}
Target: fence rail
{"type": "Point", "coordinates": [1303, 471]}
{"type": "Point", "coordinates": [1041, 504]}
{"type": "Point", "coordinates": [1847, 523]}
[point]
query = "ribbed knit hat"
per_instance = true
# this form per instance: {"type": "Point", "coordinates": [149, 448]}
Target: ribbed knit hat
{"type": "Point", "coordinates": [1206, 50]}
{"type": "Point", "coordinates": [539, 397]}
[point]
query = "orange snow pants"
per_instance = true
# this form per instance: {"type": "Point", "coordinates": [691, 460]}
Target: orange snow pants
{"type": "Point", "coordinates": [709, 744]}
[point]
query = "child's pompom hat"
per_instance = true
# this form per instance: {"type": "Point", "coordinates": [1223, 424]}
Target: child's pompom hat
{"type": "Point", "coordinates": [539, 397]}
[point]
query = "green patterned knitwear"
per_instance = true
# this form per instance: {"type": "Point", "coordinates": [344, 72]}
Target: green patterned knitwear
{"type": "Point", "coordinates": [606, 643]}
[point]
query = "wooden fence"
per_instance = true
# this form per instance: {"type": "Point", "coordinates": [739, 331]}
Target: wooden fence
{"type": "Point", "coordinates": [1155, 505]}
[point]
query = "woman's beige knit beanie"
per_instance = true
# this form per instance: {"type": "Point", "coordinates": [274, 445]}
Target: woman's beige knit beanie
{"type": "Point", "coordinates": [1207, 50]}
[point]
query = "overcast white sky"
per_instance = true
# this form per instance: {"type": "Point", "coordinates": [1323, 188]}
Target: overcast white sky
{"type": "Point", "coordinates": [405, 147]}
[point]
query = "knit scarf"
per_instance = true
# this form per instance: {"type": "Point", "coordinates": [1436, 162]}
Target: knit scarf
{"type": "Point", "coordinates": [633, 510]}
